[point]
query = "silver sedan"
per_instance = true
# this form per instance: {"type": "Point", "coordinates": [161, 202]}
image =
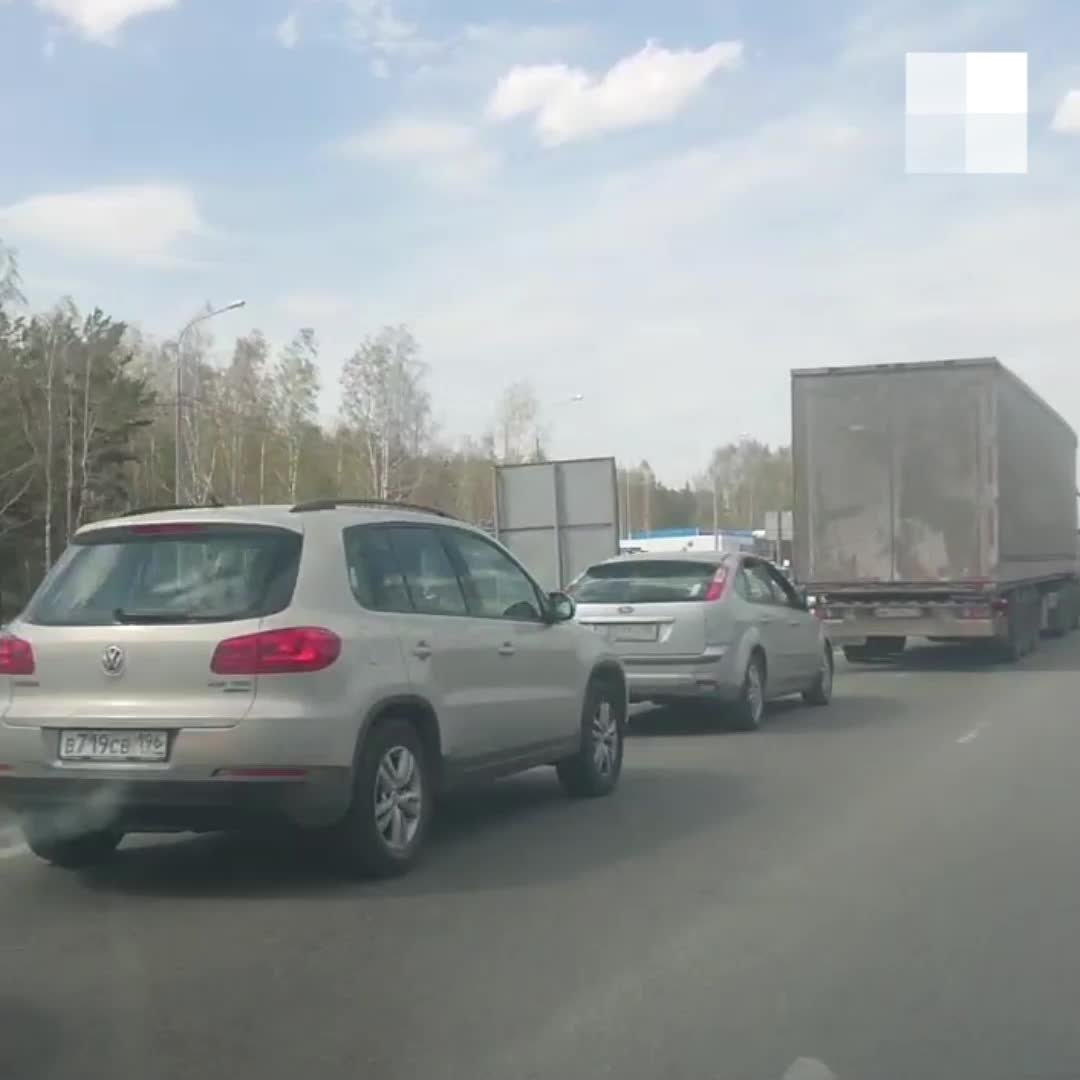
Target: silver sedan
{"type": "Point", "coordinates": [709, 627]}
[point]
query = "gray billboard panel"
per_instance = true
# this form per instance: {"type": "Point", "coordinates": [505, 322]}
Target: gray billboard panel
{"type": "Point", "coordinates": [558, 517]}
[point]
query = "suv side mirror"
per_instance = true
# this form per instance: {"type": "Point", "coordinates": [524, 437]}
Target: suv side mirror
{"type": "Point", "coordinates": [561, 607]}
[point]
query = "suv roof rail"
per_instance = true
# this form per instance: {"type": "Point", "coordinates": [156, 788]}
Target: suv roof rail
{"type": "Point", "coordinates": [393, 504]}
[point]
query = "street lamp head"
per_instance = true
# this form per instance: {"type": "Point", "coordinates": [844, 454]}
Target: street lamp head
{"type": "Point", "coordinates": [234, 305]}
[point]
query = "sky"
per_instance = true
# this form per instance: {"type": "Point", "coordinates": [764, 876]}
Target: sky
{"type": "Point", "coordinates": [658, 208]}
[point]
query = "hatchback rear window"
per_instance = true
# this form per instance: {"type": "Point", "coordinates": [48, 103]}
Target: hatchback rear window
{"type": "Point", "coordinates": [170, 574]}
{"type": "Point", "coordinates": [645, 581]}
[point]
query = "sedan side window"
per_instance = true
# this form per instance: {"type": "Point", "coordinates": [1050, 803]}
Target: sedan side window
{"type": "Point", "coordinates": [762, 590]}
{"type": "Point", "coordinates": [497, 587]}
{"type": "Point", "coordinates": [784, 590]}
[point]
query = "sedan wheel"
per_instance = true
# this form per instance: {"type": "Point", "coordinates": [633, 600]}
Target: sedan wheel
{"type": "Point", "coordinates": [820, 693]}
{"type": "Point", "coordinates": [750, 708]}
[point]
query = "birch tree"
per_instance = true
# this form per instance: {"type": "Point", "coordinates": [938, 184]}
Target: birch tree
{"type": "Point", "coordinates": [385, 403]}
{"type": "Point", "coordinates": [295, 397]}
{"type": "Point", "coordinates": [517, 424]}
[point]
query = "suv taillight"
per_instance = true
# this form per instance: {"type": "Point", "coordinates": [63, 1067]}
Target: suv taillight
{"type": "Point", "coordinates": [272, 652]}
{"type": "Point", "coordinates": [717, 585]}
{"type": "Point", "coordinates": [16, 656]}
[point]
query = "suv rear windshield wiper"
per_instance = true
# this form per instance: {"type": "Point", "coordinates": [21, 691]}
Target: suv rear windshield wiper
{"type": "Point", "coordinates": [122, 616]}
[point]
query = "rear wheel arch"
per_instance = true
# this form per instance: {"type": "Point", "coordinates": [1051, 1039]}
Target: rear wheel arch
{"type": "Point", "coordinates": [414, 710]}
{"type": "Point", "coordinates": [757, 652]}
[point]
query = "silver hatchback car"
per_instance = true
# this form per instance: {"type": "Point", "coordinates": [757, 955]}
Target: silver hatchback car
{"type": "Point", "coordinates": [327, 665]}
{"type": "Point", "coordinates": [707, 627]}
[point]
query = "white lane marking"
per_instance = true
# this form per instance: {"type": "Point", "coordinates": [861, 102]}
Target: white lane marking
{"type": "Point", "coordinates": [971, 735]}
{"type": "Point", "coordinates": [12, 843]}
{"type": "Point", "coordinates": [809, 1069]}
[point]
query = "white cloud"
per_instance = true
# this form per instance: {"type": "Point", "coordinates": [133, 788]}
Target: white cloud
{"type": "Point", "coordinates": [287, 31]}
{"type": "Point", "coordinates": [375, 26]}
{"type": "Point", "coordinates": [1067, 117]}
{"type": "Point", "coordinates": [645, 88]}
{"type": "Point", "coordinates": [443, 152]}
{"type": "Point", "coordinates": [137, 223]}
{"type": "Point", "coordinates": [99, 20]}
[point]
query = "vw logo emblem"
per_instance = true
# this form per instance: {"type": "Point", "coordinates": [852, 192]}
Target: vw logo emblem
{"type": "Point", "coordinates": [112, 660]}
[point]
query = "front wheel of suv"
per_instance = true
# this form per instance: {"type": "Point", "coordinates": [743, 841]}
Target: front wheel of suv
{"type": "Point", "coordinates": [594, 770]}
{"type": "Point", "coordinates": [383, 832]}
{"type": "Point", "coordinates": [71, 851]}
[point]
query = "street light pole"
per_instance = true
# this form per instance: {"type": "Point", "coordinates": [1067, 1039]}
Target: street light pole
{"type": "Point", "coordinates": [178, 413]}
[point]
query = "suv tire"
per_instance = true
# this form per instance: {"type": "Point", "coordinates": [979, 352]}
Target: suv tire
{"type": "Point", "coordinates": [70, 851]}
{"type": "Point", "coordinates": [383, 832]}
{"type": "Point", "coordinates": [594, 770]}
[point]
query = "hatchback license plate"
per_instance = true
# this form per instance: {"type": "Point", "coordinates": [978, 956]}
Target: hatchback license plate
{"type": "Point", "coordinates": [637, 632]}
{"type": "Point", "coordinates": [112, 745]}
{"type": "Point", "coordinates": [898, 612]}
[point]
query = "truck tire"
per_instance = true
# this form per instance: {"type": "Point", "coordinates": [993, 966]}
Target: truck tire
{"type": "Point", "coordinates": [1059, 616]}
{"type": "Point", "coordinates": [856, 654]}
{"type": "Point", "coordinates": [1022, 634]}
{"type": "Point", "coordinates": [886, 648]}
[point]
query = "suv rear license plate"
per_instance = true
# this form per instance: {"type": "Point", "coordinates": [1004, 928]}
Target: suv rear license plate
{"type": "Point", "coordinates": [638, 632]}
{"type": "Point", "coordinates": [898, 612]}
{"type": "Point", "coordinates": [112, 745]}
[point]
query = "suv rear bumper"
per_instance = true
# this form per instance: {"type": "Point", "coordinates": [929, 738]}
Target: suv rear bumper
{"type": "Point", "coordinates": [321, 797]}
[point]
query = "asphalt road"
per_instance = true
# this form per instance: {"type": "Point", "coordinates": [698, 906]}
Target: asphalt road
{"type": "Point", "coordinates": [890, 887]}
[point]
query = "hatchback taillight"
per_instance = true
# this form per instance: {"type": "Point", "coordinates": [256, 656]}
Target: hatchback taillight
{"type": "Point", "coordinates": [16, 656]}
{"type": "Point", "coordinates": [717, 585]}
{"type": "Point", "coordinates": [291, 651]}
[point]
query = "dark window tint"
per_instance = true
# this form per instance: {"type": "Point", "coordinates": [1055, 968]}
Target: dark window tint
{"type": "Point", "coordinates": [498, 588]}
{"type": "Point", "coordinates": [374, 574]}
{"type": "Point", "coordinates": [429, 575]}
{"type": "Point", "coordinates": [644, 581]}
{"type": "Point", "coordinates": [153, 574]}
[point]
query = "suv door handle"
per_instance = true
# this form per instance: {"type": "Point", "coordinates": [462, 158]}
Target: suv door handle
{"type": "Point", "coordinates": [422, 650]}
{"type": "Point", "coordinates": [794, 622]}
{"type": "Point", "coordinates": [506, 649]}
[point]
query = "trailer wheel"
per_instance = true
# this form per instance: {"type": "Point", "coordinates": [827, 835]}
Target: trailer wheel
{"type": "Point", "coordinates": [1022, 633]}
{"type": "Point", "coordinates": [1060, 615]}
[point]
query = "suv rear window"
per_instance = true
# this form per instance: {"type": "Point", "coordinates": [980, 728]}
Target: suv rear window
{"type": "Point", "coordinates": [645, 581]}
{"type": "Point", "coordinates": [170, 574]}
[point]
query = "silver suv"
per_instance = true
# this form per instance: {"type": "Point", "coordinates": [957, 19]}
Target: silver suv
{"type": "Point", "coordinates": [329, 665]}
